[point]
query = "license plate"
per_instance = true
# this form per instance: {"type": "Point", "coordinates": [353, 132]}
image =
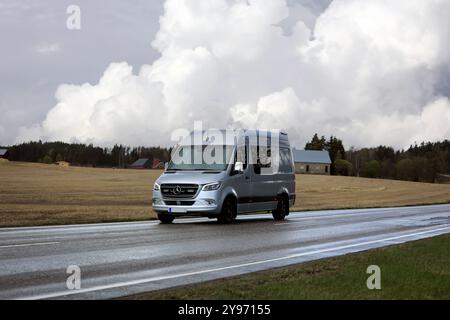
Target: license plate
{"type": "Point", "coordinates": [177, 210]}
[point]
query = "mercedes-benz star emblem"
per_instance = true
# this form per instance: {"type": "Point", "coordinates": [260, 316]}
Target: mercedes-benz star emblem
{"type": "Point", "coordinates": [177, 190]}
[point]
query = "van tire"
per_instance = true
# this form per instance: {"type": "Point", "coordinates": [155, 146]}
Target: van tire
{"type": "Point", "coordinates": [282, 209]}
{"type": "Point", "coordinates": [228, 212]}
{"type": "Point", "coordinates": [165, 218]}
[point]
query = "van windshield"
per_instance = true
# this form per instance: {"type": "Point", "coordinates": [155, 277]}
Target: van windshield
{"type": "Point", "coordinates": [201, 157]}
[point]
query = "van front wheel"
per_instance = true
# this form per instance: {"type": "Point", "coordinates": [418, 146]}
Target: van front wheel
{"type": "Point", "coordinates": [165, 218]}
{"type": "Point", "coordinates": [282, 209]}
{"type": "Point", "coordinates": [229, 211]}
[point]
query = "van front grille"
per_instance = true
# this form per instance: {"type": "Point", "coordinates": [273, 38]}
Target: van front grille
{"type": "Point", "coordinates": [178, 203]}
{"type": "Point", "coordinates": [179, 190]}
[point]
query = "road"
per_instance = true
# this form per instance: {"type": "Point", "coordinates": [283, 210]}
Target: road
{"type": "Point", "coordinates": [118, 259]}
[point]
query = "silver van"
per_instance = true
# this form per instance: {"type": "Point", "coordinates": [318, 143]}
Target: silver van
{"type": "Point", "coordinates": [252, 171]}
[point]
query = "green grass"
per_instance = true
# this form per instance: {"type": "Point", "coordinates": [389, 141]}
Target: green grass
{"type": "Point", "coordinates": [416, 270]}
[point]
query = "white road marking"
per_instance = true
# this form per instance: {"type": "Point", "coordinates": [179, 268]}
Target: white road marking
{"type": "Point", "coordinates": [28, 244]}
{"type": "Point", "coordinates": [297, 219]}
{"type": "Point", "coordinates": [302, 214]}
{"type": "Point", "coordinates": [153, 279]}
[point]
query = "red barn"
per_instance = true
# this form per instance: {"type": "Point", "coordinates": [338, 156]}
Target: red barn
{"type": "Point", "coordinates": [157, 164]}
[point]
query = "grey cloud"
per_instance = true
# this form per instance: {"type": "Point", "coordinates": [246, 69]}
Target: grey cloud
{"type": "Point", "coordinates": [39, 53]}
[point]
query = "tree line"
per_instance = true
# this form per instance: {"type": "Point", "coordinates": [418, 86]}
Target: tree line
{"type": "Point", "coordinates": [84, 155]}
{"type": "Point", "coordinates": [422, 162]}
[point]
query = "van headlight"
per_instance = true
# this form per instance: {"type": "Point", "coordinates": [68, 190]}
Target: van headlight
{"type": "Point", "coordinates": [211, 186]}
{"type": "Point", "coordinates": [156, 187]}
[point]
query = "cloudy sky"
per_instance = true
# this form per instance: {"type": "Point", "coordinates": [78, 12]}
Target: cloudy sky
{"type": "Point", "coordinates": [371, 72]}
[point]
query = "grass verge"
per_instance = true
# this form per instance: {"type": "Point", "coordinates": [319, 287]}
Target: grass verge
{"type": "Point", "coordinates": [415, 270]}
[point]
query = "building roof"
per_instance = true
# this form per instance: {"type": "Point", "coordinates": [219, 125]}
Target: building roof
{"type": "Point", "coordinates": [311, 156]}
{"type": "Point", "coordinates": [3, 152]}
{"type": "Point", "coordinates": [140, 162]}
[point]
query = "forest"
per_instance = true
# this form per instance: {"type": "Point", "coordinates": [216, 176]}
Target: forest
{"type": "Point", "coordinates": [424, 162]}
{"type": "Point", "coordinates": [79, 154]}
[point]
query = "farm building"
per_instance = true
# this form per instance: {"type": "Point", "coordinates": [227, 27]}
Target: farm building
{"type": "Point", "coordinates": [312, 161]}
{"type": "Point", "coordinates": [3, 153]}
{"type": "Point", "coordinates": [62, 163]}
{"type": "Point", "coordinates": [443, 178]}
{"type": "Point", "coordinates": [157, 164]}
{"type": "Point", "coordinates": [142, 163]}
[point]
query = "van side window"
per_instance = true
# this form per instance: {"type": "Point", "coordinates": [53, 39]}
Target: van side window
{"type": "Point", "coordinates": [261, 155]}
{"type": "Point", "coordinates": [241, 155]}
{"type": "Point", "coordinates": [285, 161]}
{"type": "Point", "coordinates": [265, 154]}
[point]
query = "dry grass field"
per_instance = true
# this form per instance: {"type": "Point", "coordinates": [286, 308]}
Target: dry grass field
{"type": "Point", "coordinates": [39, 194]}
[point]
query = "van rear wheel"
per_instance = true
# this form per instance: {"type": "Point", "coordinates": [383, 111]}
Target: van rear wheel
{"type": "Point", "coordinates": [229, 211]}
{"type": "Point", "coordinates": [165, 218]}
{"type": "Point", "coordinates": [282, 209]}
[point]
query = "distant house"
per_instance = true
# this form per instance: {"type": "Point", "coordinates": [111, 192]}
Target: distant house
{"type": "Point", "coordinates": [62, 163]}
{"type": "Point", "coordinates": [312, 161]}
{"type": "Point", "coordinates": [443, 178]}
{"type": "Point", "coordinates": [3, 153]}
{"type": "Point", "coordinates": [142, 163]}
{"type": "Point", "coordinates": [157, 164]}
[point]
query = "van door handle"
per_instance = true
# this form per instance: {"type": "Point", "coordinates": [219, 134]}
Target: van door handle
{"type": "Point", "coordinates": [247, 178]}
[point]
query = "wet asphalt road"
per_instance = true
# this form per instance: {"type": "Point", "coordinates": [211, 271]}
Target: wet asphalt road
{"type": "Point", "coordinates": [119, 259]}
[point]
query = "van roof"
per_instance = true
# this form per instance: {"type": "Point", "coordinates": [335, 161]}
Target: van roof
{"type": "Point", "coordinates": [229, 137]}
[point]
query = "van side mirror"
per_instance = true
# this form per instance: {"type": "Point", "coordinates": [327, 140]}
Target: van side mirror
{"type": "Point", "coordinates": [166, 165]}
{"type": "Point", "coordinates": [238, 167]}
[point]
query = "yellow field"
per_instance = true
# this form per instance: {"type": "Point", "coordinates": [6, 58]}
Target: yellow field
{"type": "Point", "coordinates": [39, 194]}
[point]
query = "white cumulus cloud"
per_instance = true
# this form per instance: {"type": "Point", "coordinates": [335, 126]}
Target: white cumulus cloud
{"type": "Point", "coordinates": [370, 72]}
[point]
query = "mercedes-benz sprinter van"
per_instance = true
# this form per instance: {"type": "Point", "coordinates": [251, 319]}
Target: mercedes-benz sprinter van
{"type": "Point", "coordinates": [218, 174]}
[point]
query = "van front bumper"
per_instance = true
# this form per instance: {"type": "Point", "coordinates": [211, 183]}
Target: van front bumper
{"type": "Point", "coordinates": [204, 204]}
